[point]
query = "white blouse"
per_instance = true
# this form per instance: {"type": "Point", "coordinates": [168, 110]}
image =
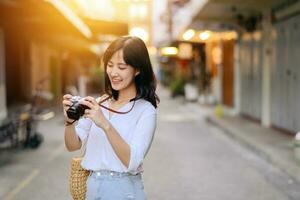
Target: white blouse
{"type": "Point", "coordinates": [137, 129]}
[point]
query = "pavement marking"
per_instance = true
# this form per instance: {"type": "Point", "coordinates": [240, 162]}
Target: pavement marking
{"type": "Point", "coordinates": [22, 185]}
{"type": "Point", "coordinates": [56, 153]}
{"type": "Point", "coordinates": [32, 175]}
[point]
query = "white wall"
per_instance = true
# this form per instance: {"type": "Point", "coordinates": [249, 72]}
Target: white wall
{"type": "Point", "coordinates": [181, 19]}
{"type": "Point", "coordinates": [160, 26]}
{"type": "Point", "coordinates": [3, 110]}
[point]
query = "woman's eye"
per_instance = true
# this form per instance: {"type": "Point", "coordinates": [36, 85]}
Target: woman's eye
{"type": "Point", "coordinates": [110, 66]}
{"type": "Point", "coordinates": [122, 68]}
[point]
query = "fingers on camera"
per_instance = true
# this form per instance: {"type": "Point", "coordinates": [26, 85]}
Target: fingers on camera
{"type": "Point", "coordinates": [67, 103]}
{"type": "Point", "coordinates": [89, 98]}
{"type": "Point", "coordinates": [88, 104]}
{"type": "Point", "coordinates": [67, 96]}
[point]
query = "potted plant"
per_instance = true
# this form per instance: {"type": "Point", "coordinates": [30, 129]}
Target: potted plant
{"type": "Point", "coordinates": [177, 86]}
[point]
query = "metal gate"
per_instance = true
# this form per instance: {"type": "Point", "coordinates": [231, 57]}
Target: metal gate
{"type": "Point", "coordinates": [251, 75]}
{"type": "Point", "coordinates": [285, 98]}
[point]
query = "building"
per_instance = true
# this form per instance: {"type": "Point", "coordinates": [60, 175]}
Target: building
{"type": "Point", "coordinates": [255, 71]}
{"type": "Point", "coordinates": [44, 42]}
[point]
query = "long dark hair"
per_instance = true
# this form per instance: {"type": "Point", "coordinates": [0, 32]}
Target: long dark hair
{"type": "Point", "coordinates": [135, 54]}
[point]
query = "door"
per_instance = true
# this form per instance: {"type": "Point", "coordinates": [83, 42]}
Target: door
{"type": "Point", "coordinates": [286, 73]}
{"type": "Point", "coordinates": [227, 82]}
{"type": "Point", "coordinates": [256, 74]}
{"type": "Point", "coordinates": [2, 78]}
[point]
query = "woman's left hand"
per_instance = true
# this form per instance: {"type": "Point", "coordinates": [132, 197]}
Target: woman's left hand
{"type": "Point", "coordinates": [94, 113]}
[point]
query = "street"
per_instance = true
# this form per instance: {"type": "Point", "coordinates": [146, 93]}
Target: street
{"type": "Point", "coordinates": [189, 159]}
{"type": "Point", "coordinates": [228, 123]}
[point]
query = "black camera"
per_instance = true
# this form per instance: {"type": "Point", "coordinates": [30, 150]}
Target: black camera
{"type": "Point", "coordinates": [76, 110]}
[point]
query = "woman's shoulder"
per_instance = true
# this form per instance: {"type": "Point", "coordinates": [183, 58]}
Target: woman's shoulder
{"type": "Point", "coordinates": [146, 106]}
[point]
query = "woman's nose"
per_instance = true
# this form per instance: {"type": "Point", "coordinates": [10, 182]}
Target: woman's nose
{"type": "Point", "coordinates": [114, 72]}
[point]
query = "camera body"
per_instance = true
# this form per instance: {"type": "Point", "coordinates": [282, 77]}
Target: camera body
{"type": "Point", "coordinates": [76, 110]}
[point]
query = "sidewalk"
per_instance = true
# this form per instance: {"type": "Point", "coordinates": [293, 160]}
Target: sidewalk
{"type": "Point", "coordinates": [274, 146]}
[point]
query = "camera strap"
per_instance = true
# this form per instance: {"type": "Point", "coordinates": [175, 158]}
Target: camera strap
{"type": "Point", "coordinates": [112, 110]}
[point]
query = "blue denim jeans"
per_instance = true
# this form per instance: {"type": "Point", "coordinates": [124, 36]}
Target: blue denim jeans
{"type": "Point", "coordinates": [106, 185]}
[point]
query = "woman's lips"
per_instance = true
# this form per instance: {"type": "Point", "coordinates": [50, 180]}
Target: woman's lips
{"type": "Point", "coordinates": [115, 81]}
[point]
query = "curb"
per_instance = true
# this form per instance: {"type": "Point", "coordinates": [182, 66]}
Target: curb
{"type": "Point", "coordinates": [266, 156]}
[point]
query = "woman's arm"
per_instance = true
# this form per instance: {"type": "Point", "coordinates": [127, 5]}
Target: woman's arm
{"type": "Point", "coordinates": [121, 148]}
{"type": "Point", "coordinates": [132, 155]}
{"type": "Point", "coordinates": [72, 141]}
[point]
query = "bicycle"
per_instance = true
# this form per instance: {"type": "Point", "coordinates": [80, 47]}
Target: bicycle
{"type": "Point", "coordinates": [20, 128]}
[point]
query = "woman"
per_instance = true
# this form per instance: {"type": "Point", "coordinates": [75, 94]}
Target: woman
{"type": "Point", "coordinates": [116, 143]}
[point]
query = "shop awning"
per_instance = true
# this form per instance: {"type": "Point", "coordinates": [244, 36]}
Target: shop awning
{"type": "Point", "coordinates": [54, 22]}
{"type": "Point", "coordinates": [42, 17]}
{"type": "Point", "coordinates": [231, 12]}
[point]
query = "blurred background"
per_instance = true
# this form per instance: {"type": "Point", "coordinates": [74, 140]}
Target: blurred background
{"type": "Point", "coordinates": [228, 73]}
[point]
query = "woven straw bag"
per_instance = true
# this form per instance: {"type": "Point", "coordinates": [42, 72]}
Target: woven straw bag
{"type": "Point", "coordinates": [78, 178]}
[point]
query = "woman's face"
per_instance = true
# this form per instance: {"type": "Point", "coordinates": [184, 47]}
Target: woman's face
{"type": "Point", "coordinates": [120, 74]}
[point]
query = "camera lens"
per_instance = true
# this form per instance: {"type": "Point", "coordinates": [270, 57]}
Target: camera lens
{"type": "Point", "coordinates": [72, 112]}
{"type": "Point", "coordinates": [76, 110]}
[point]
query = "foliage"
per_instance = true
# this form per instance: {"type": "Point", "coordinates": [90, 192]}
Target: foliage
{"type": "Point", "coordinates": [177, 86]}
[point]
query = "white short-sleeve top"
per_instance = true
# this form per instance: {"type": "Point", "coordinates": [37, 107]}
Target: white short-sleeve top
{"type": "Point", "coordinates": [137, 129]}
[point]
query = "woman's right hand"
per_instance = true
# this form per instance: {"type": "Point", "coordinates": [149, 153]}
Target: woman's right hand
{"type": "Point", "coordinates": [66, 105]}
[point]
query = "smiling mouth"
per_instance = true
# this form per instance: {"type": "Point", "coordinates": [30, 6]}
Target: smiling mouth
{"type": "Point", "coordinates": [115, 81]}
